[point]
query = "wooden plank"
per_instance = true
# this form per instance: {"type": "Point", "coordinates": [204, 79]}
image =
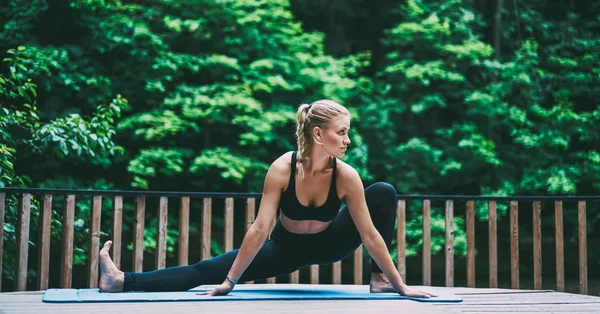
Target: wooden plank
{"type": "Point", "coordinates": [138, 244]}
{"type": "Point", "coordinates": [184, 231]}
{"type": "Point", "coordinates": [250, 216]}
{"type": "Point", "coordinates": [337, 273]}
{"type": "Point", "coordinates": [295, 276]}
{"type": "Point", "coordinates": [493, 244]}
{"type": "Point", "coordinates": [358, 265]}
{"type": "Point", "coordinates": [314, 274]}
{"type": "Point", "coordinates": [514, 244]}
{"type": "Point", "coordinates": [206, 224]}
{"type": "Point", "coordinates": [66, 258]}
{"type": "Point", "coordinates": [583, 280]}
{"type": "Point", "coordinates": [537, 245]}
{"type": "Point", "coordinates": [470, 221]}
{"type": "Point", "coordinates": [94, 241]}
{"type": "Point", "coordinates": [2, 206]}
{"type": "Point", "coordinates": [426, 242]}
{"type": "Point", "coordinates": [272, 279]}
{"type": "Point", "coordinates": [401, 240]}
{"type": "Point", "coordinates": [117, 230]}
{"type": "Point", "coordinates": [43, 259]}
{"type": "Point", "coordinates": [22, 242]}
{"type": "Point", "coordinates": [161, 233]}
{"type": "Point", "coordinates": [559, 241]}
{"type": "Point", "coordinates": [228, 224]}
{"type": "Point", "coordinates": [449, 243]}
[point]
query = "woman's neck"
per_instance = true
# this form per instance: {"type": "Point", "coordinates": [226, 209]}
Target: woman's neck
{"type": "Point", "coordinates": [318, 161]}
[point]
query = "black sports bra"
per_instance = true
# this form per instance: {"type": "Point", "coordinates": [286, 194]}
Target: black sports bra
{"type": "Point", "coordinates": [291, 207]}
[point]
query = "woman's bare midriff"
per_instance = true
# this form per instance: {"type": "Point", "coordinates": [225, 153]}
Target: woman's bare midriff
{"type": "Point", "coordinates": [303, 226]}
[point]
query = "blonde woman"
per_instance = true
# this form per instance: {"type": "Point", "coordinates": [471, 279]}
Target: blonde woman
{"type": "Point", "coordinates": [308, 186]}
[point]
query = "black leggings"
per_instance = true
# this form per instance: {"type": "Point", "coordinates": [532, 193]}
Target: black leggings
{"type": "Point", "coordinates": [283, 253]}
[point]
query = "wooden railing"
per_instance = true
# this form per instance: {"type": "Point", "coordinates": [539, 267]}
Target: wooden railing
{"type": "Point", "coordinates": [250, 199]}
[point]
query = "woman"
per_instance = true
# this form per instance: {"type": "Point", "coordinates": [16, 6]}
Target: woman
{"type": "Point", "coordinates": [308, 186]}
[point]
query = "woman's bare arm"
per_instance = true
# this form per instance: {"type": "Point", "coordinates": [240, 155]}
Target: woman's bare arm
{"type": "Point", "coordinates": [275, 181]}
{"type": "Point", "coordinates": [354, 194]}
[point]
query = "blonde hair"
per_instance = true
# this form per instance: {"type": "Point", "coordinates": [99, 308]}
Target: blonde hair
{"type": "Point", "coordinates": [317, 114]}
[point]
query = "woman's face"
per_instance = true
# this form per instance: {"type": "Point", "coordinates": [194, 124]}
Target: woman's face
{"type": "Point", "coordinates": [334, 137]}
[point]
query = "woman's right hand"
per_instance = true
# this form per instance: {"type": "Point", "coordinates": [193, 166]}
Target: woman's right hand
{"type": "Point", "coordinates": [222, 289]}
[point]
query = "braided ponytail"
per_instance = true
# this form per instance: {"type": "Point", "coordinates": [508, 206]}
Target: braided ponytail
{"type": "Point", "coordinates": [303, 136]}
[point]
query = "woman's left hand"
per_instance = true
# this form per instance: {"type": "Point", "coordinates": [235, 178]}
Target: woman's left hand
{"type": "Point", "coordinates": [414, 292]}
{"type": "Point", "coordinates": [222, 289]}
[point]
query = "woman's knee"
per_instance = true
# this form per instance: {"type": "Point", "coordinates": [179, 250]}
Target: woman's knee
{"type": "Point", "coordinates": [382, 191]}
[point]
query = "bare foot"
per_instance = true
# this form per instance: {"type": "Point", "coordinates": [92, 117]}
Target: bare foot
{"type": "Point", "coordinates": [379, 283]}
{"type": "Point", "coordinates": [111, 278]}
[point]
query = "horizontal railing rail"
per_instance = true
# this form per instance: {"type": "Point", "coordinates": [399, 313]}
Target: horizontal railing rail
{"type": "Point", "coordinates": [251, 202]}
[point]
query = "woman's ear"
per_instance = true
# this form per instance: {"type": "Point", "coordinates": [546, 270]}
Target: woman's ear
{"type": "Point", "coordinates": [316, 133]}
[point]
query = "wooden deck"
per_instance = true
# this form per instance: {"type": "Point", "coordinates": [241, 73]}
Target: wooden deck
{"type": "Point", "coordinates": [476, 300]}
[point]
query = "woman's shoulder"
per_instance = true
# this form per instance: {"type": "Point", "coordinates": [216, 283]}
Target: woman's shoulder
{"type": "Point", "coordinates": [346, 171]}
{"type": "Point", "coordinates": [282, 164]}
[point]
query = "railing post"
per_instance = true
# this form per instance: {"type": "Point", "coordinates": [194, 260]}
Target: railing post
{"type": "Point", "coordinates": [67, 242]}
{"type": "Point", "coordinates": [138, 244]}
{"type": "Point", "coordinates": [401, 240]}
{"type": "Point", "coordinates": [493, 244]}
{"type": "Point", "coordinates": [537, 245]}
{"type": "Point", "coordinates": [228, 224]}
{"type": "Point", "coordinates": [426, 243]}
{"type": "Point", "coordinates": [22, 242]}
{"type": "Point", "coordinates": [583, 281]}
{"type": "Point", "coordinates": [161, 233]}
{"type": "Point", "coordinates": [449, 243]}
{"type": "Point", "coordinates": [470, 221]}
{"type": "Point", "coordinates": [184, 230]}
{"type": "Point", "coordinates": [206, 224]}
{"type": "Point", "coordinates": [514, 244]}
{"type": "Point", "coordinates": [250, 215]}
{"type": "Point", "coordinates": [560, 253]}
{"type": "Point", "coordinates": [94, 241]}
{"type": "Point", "coordinates": [117, 228]}
{"type": "Point", "coordinates": [43, 267]}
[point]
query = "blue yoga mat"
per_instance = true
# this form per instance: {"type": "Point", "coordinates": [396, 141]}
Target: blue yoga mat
{"type": "Point", "coordinates": [243, 292]}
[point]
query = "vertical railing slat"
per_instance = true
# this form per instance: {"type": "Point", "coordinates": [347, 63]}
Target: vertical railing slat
{"type": "Point", "coordinates": [94, 241]}
{"type": "Point", "coordinates": [537, 245]}
{"type": "Point", "coordinates": [161, 233]}
{"type": "Point", "coordinates": [272, 279]}
{"type": "Point", "coordinates": [22, 242]}
{"type": "Point", "coordinates": [449, 243]}
{"type": "Point", "coordinates": [184, 231]}
{"type": "Point", "coordinates": [206, 224]}
{"type": "Point", "coordinates": [43, 260]}
{"type": "Point", "coordinates": [426, 242]}
{"type": "Point", "coordinates": [2, 206]}
{"type": "Point", "coordinates": [493, 244]}
{"type": "Point", "coordinates": [228, 224]}
{"type": "Point", "coordinates": [559, 241]}
{"type": "Point", "coordinates": [358, 265]}
{"type": "Point", "coordinates": [401, 240]}
{"type": "Point", "coordinates": [67, 242]}
{"type": "Point", "coordinates": [314, 274]}
{"type": "Point", "coordinates": [250, 215]}
{"type": "Point", "coordinates": [138, 244]}
{"type": "Point", "coordinates": [117, 230]}
{"type": "Point", "coordinates": [337, 273]}
{"type": "Point", "coordinates": [470, 221]}
{"type": "Point", "coordinates": [295, 276]}
{"type": "Point", "coordinates": [583, 280]}
{"type": "Point", "coordinates": [514, 244]}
